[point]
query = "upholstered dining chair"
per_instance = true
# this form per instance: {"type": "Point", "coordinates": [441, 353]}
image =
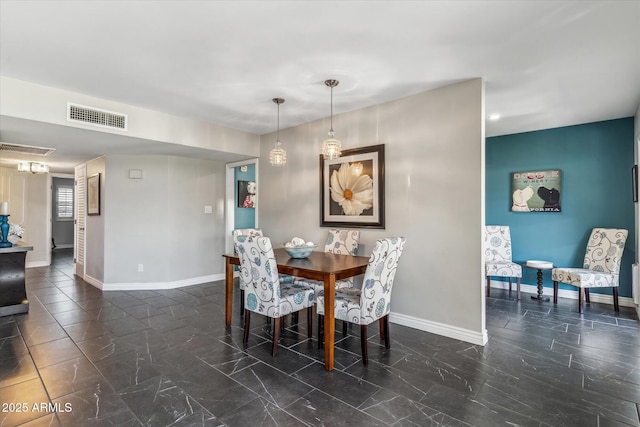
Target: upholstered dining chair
{"type": "Point", "coordinates": [497, 256]}
{"type": "Point", "coordinates": [264, 293]}
{"type": "Point", "coordinates": [343, 242]}
{"type": "Point", "coordinates": [372, 302]}
{"type": "Point", "coordinates": [600, 268]}
{"type": "Point", "coordinates": [243, 232]}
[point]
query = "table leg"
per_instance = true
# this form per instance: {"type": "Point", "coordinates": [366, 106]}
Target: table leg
{"type": "Point", "coordinates": [540, 297]}
{"type": "Point", "coordinates": [228, 292]}
{"type": "Point", "coordinates": [329, 320]}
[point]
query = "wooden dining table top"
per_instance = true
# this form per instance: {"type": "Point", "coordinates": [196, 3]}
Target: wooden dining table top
{"type": "Point", "coordinates": [317, 263]}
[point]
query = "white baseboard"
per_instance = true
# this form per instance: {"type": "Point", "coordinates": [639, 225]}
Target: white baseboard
{"type": "Point", "coordinates": [564, 293]}
{"type": "Point", "coordinates": [449, 331]}
{"type": "Point", "coordinates": [156, 285]}
{"type": "Point", "coordinates": [36, 264]}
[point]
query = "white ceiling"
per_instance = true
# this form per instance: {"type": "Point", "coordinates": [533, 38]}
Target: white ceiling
{"type": "Point", "coordinates": [545, 63]}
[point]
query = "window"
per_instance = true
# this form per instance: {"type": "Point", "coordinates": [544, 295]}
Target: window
{"type": "Point", "coordinates": [64, 203]}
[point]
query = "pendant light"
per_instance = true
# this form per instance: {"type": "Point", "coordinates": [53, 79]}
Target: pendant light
{"type": "Point", "coordinates": [331, 147]}
{"type": "Point", "coordinates": [277, 156]}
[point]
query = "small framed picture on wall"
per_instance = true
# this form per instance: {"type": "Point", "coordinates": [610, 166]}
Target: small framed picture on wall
{"type": "Point", "coordinates": [634, 182]}
{"type": "Point", "coordinates": [247, 194]}
{"type": "Point", "coordinates": [93, 195]}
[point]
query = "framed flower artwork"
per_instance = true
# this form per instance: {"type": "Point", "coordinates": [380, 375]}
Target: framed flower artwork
{"type": "Point", "coordinates": [352, 189]}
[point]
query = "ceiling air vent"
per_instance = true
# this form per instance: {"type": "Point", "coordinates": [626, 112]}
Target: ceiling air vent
{"type": "Point", "coordinates": [25, 149]}
{"type": "Point", "coordinates": [94, 116]}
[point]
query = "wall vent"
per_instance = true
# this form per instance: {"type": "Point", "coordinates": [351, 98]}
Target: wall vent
{"type": "Point", "coordinates": [96, 117]}
{"type": "Point", "coordinates": [25, 149]}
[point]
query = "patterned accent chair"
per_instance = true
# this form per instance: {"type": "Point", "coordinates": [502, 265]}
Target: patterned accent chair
{"type": "Point", "coordinates": [601, 266]}
{"type": "Point", "coordinates": [344, 242]}
{"type": "Point", "coordinates": [373, 301]}
{"type": "Point", "coordinates": [497, 256]}
{"type": "Point", "coordinates": [243, 232]}
{"type": "Point", "coordinates": [264, 294]}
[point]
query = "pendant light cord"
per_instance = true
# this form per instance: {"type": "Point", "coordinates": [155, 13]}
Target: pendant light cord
{"type": "Point", "coordinates": [331, 108]}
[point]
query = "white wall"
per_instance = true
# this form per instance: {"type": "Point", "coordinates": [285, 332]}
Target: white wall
{"type": "Point", "coordinates": [27, 196]}
{"type": "Point", "coordinates": [196, 239]}
{"type": "Point", "coordinates": [158, 221]}
{"type": "Point", "coordinates": [434, 148]}
{"type": "Point", "coordinates": [18, 101]}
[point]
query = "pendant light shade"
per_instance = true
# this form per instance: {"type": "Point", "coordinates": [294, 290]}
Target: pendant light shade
{"type": "Point", "coordinates": [331, 147]}
{"type": "Point", "coordinates": [277, 156]}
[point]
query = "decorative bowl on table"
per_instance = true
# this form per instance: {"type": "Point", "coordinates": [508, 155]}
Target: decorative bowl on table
{"type": "Point", "coordinates": [301, 251]}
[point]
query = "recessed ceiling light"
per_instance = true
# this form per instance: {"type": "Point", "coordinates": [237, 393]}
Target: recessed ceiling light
{"type": "Point", "coordinates": [494, 117]}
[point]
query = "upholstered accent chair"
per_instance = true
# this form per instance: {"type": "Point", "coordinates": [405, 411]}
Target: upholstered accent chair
{"type": "Point", "coordinates": [264, 293]}
{"type": "Point", "coordinates": [497, 256]}
{"type": "Point", "coordinates": [372, 302]}
{"type": "Point", "coordinates": [243, 232]}
{"type": "Point", "coordinates": [600, 268]}
{"type": "Point", "coordinates": [344, 242]}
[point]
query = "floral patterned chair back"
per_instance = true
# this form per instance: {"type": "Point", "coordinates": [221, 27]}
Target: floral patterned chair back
{"type": "Point", "coordinates": [246, 232]}
{"type": "Point", "coordinates": [600, 268]}
{"type": "Point", "coordinates": [259, 275]}
{"type": "Point", "coordinates": [342, 242]}
{"type": "Point", "coordinates": [372, 302]}
{"type": "Point", "coordinates": [604, 250]}
{"type": "Point", "coordinates": [498, 257]}
{"type": "Point", "coordinates": [263, 291]}
{"type": "Point", "coordinates": [497, 243]}
{"type": "Point", "coordinates": [375, 296]}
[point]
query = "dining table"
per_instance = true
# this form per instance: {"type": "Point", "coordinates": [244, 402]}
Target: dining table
{"type": "Point", "coordinates": [322, 266]}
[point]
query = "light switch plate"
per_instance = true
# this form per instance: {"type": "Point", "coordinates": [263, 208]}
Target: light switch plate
{"type": "Point", "coordinates": [135, 173]}
{"type": "Point", "coordinates": [208, 209]}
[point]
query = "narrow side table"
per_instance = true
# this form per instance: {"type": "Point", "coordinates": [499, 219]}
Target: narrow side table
{"type": "Point", "coordinates": [539, 265]}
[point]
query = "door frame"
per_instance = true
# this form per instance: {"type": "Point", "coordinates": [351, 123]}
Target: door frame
{"type": "Point", "coordinates": [50, 202]}
{"type": "Point", "coordinates": [230, 201]}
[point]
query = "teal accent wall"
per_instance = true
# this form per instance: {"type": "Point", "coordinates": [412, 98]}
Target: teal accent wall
{"type": "Point", "coordinates": [244, 217]}
{"type": "Point", "coordinates": [596, 161]}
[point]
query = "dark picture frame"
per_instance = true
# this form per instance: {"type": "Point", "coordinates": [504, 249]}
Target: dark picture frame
{"type": "Point", "coordinates": [365, 206]}
{"type": "Point", "coordinates": [93, 194]}
{"type": "Point", "coordinates": [634, 183]}
{"type": "Point", "coordinates": [536, 191]}
{"type": "Point", "coordinates": [246, 194]}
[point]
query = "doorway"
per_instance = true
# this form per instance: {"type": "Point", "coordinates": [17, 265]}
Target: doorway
{"type": "Point", "coordinates": [242, 194]}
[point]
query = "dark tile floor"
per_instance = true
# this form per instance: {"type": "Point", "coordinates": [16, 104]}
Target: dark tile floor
{"type": "Point", "coordinates": [84, 357]}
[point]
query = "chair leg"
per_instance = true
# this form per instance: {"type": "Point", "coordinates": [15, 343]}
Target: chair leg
{"type": "Point", "coordinates": [363, 344]}
{"type": "Point", "coordinates": [241, 302]}
{"type": "Point", "coordinates": [387, 339]}
{"type": "Point", "coordinates": [344, 328]}
{"type": "Point", "coordinates": [586, 296]}
{"type": "Point", "coordinates": [309, 322]}
{"type": "Point", "coordinates": [509, 286]}
{"type": "Point", "coordinates": [579, 300]}
{"type": "Point", "coordinates": [320, 330]}
{"type": "Point", "coordinates": [247, 323]}
{"type": "Point", "coordinates": [488, 286]}
{"type": "Point", "coordinates": [615, 298]}
{"type": "Point", "coordinates": [276, 335]}
{"type": "Point", "coordinates": [518, 286]}
{"type": "Point", "coordinates": [555, 291]}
